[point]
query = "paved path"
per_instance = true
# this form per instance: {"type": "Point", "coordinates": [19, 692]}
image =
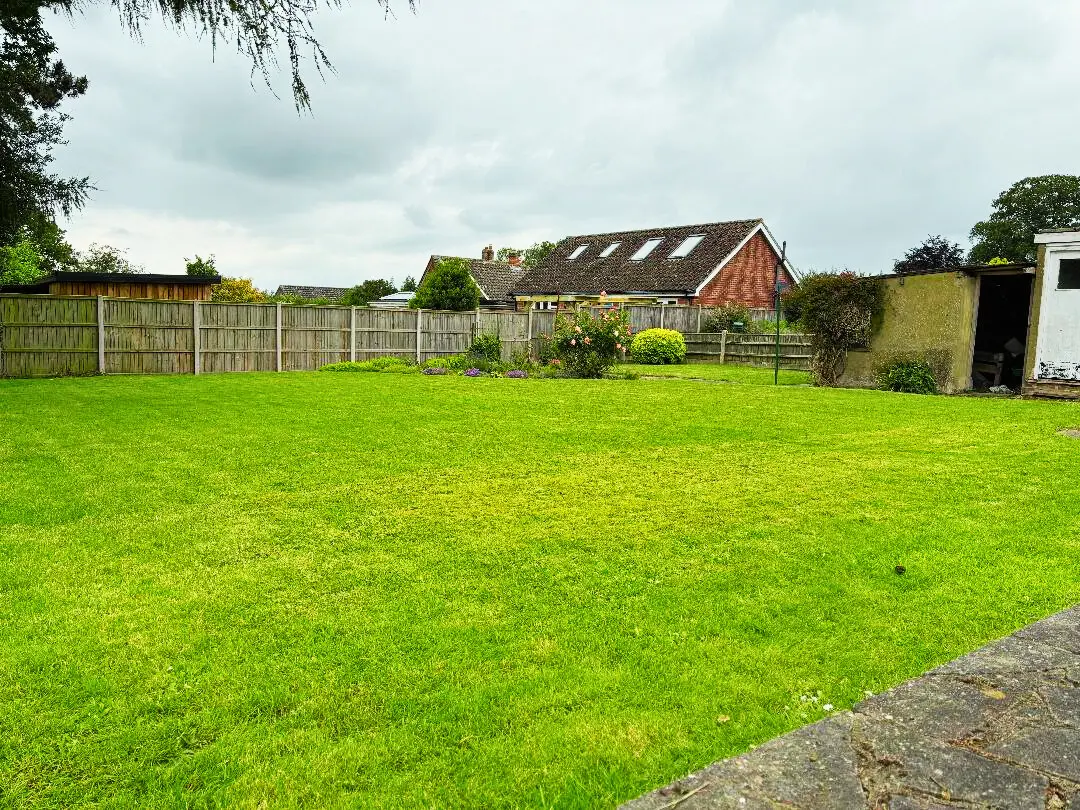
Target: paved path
{"type": "Point", "coordinates": [999, 728]}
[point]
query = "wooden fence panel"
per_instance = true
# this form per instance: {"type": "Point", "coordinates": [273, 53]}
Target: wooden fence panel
{"type": "Point", "coordinates": [446, 333]}
{"type": "Point", "coordinates": [148, 337]}
{"type": "Point", "coordinates": [42, 336]}
{"type": "Point", "coordinates": [237, 337]}
{"type": "Point", "coordinates": [314, 336]}
{"type": "Point", "coordinates": [386, 333]}
{"type": "Point", "coordinates": [751, 350]}
{"type": "Point", "coordinates": [511, 327]}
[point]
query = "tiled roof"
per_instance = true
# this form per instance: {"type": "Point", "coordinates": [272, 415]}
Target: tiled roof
{"type": "Point", "coordinates": [311, 293]}
{"type": "Point", "coordinates": [591, 273]}
{"type": "Point", "coordinates": [495, 279]}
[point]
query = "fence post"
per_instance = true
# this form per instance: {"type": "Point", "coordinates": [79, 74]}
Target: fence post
{"type": "Point", "coordinates": [277, 338]}
{"type": "Point", "coordinates": [419, 316]}
{"type": "Point", "coordinates": [528, 343]}
{"type": "Point", "coordinates": [196, 330]}
{"type": "Point", "coordinates": [101, 334]}
{"type": "Point", "coordinates": [662, 308]}
{"type": "Point", "coordinates": [723, 346]}
{"type": "Point", "coordinates": [699, 319]}
{"type": "Point", "coordinates": [352, 334]}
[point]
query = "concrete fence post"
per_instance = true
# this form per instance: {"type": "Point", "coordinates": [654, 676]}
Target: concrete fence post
{"type": "Point", "coordinates": [662, 308]}
{"type": "Point", "coordinates": [419, 332]}
{"type": "Point", "coordinates": [196, 338]}
{"type": "Point", "coordinates": [699, 319]}
{"type": "Point", "coordinates": [723, 346]}
{"type": "Point", "coordinates": [352, 334]}
{"type": "Point", "coordinates": [101, 334]}
{"type": "Point", "coordinates": [277, 338]}
{"type": "Point", "coordinates": [528, 342]}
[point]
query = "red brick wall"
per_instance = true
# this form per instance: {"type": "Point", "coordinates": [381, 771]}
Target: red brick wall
{"type": "Point", "coordinates": [747, 279]}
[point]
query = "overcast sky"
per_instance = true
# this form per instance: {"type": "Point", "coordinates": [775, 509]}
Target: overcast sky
{"type": "Point", "coordinates": [854, 127]}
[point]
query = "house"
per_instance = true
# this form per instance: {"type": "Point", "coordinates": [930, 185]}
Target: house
{"type": "Point", "coordinates": [312, 293]}
{"type": "Point", "coordinates": [398, 300]}
{"type": "Point", "coordinates": [970, 323]}
{"type": "Point", "coordinates": [121, 285]}
{"type": "Point", "coordinates": [495, 279]}
{"type": "Point", "coordinates": [707, 265]}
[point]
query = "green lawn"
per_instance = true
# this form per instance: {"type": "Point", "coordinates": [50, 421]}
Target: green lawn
{"type": "Point", "coordinates": [373, 590]}
{"type": "Point", "coordinates": [720, 373]}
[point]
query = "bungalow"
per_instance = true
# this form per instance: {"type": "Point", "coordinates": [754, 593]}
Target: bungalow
{"type": "Point", "coordinates": [707, 265]}
{"type": "Point", "coordinates": [495, 279]}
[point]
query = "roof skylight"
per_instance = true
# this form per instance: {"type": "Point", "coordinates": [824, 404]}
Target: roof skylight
{"type": "Point", "coordinates": [687, 247]}
{"type": "Point", "coordinates": [646, 249]}
{"type": "Point", "coordinates": [610, 249]}
{"type": "Point", "coordinates": [577, 252]}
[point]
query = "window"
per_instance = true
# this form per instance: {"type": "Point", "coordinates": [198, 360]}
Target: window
{"type": "Point", "coordinates": [577, 252]}
{"type": "Point", "coordinates": [646, 249]}
{"type": "Point", "coordinates": [667, 302]}
{"type": "Point", "coordinates": [610, 249]}
{"type": "Point", "coordinates": [544, 305]}
{"type": "Point", "coordinates": [1069, 274]}
{"type": "Point", "coordinates": [687, 247]}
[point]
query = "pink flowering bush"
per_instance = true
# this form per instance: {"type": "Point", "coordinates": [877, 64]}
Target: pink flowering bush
{"type": "Point", "coordinates": [588, 345]}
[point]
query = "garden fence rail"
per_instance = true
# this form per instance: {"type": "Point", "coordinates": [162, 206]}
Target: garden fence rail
{"type": "Point", "coordinates": [48, 336]}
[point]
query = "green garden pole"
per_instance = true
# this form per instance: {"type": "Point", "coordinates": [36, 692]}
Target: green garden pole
{"type": "Point", "coordinates": [776, 303]}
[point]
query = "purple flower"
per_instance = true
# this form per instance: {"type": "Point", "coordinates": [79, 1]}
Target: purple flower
{"type": "Point", "coordinates": [435, 370]}
{"type": "Point", "coordinates": [517, 374]}
{"type": "Point", "coordinates": [473, 372]}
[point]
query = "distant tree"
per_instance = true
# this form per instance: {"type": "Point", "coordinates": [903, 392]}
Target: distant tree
{"type": "Point", "coordinates": [200, 266]}
{"type": "Point", "coordinates": [449, 285]}
{"type": "Point", "coordinates": [39, 249]}
{"type": "Point", "coordinates": [504, 254]}
{"type": "Point", "coordinates": [105, 259]}
{"type": "Point", "coordinates": [935, 252]}
{"type": "Point", "coordinates": [370, 290]}
{"type": "Point", "coordinates": [536, 254]}
{"type": "Point", "coordinates": [1034, 204]}
{"type": "Point", "coordinates": [237, 291]}
{"type": "Point", "coordinates": [409, 285]}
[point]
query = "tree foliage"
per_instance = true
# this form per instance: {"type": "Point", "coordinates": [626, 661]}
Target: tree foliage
{"type": "Point", "coordinates": [530, 256]}
{"type": "Point", "coordinates": [370, 290]}
{"type": "Point", "coordinates": [20, 263]}
{"type": "Point", "coordinates": [409, 284]}
{"type": "Point", "coordinates": [840, 311]}
{"type": "Point", "coordinates": [1034, 204]}
{"type": "Point", "coordinates": [934, 253]}
{"type": "Point", "coordinates": [200, 266]}
{"type": "Point", "coordinates": [33, 83]}
{"type": "Point", "coordinates": [106, 259]}
{"type": "Point", "coordinates": [449, 285]}
{"type": "Point", "coordinates": [237, 291]}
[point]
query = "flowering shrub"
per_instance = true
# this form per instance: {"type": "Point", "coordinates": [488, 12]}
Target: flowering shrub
{"type": "Point", "coordinates": [435, 370]}
{"type": "Point", "coordinates": [517, 374]}
{"type": "Point", "coordinates": [473, 372]}
{"type": "Point", "coordinates": [658, 347]}
{"type": "Point", "coordinates": [587, 345]}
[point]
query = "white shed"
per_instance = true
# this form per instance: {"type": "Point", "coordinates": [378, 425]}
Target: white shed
{"type": "Point", "coordinates": [1055, 367]}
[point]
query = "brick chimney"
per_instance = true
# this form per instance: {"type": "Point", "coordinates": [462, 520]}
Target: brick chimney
{"type": "Point", "coordinates": [515, 259]}
{"type": "Point", "coordinates": [488, 253]}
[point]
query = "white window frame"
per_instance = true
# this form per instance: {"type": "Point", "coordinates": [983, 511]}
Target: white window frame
{"type": "Point", "coordinates": [610, 249]}
{"type": "Point", "coordinates": [700, 237]}
{"type": "Point", "coordinates": [646, 250]}
{"type": "Point", "coordinates": [577, 253]}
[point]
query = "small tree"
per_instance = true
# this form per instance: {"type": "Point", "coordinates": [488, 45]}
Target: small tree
{"type": "Point", "coordinates": [449, 285]}
{"type": "Point", "coordinates": [106, 259]}
{"type": "Point", "coordinates": [934, 253]}
{"type": "Point", "coordinates": [237, 291]}
{"type": "Point", "coordinates": [20, 263]}
{"type": "Point", "coordinates": [200, 266]}
{"type": "Point", "coordinates": [536, 254]}
{"type": "Point", "coordinates": [409, 285]}
{"type": "Point", "coordinates": [1028, 207]}
{"type": "Point", "coordinates": [370, 290]}
{"type": "Point", "coordinates": [839, 310]}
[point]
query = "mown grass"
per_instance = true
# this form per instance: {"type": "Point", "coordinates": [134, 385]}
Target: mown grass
{"type": "Point", "coordinates": [751, 375]}
{"type": "Point", "coordinates": [368, 590]}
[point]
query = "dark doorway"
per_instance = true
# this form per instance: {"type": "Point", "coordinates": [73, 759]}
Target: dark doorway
{"type": "Point", "coordinates": [1001, 331]}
